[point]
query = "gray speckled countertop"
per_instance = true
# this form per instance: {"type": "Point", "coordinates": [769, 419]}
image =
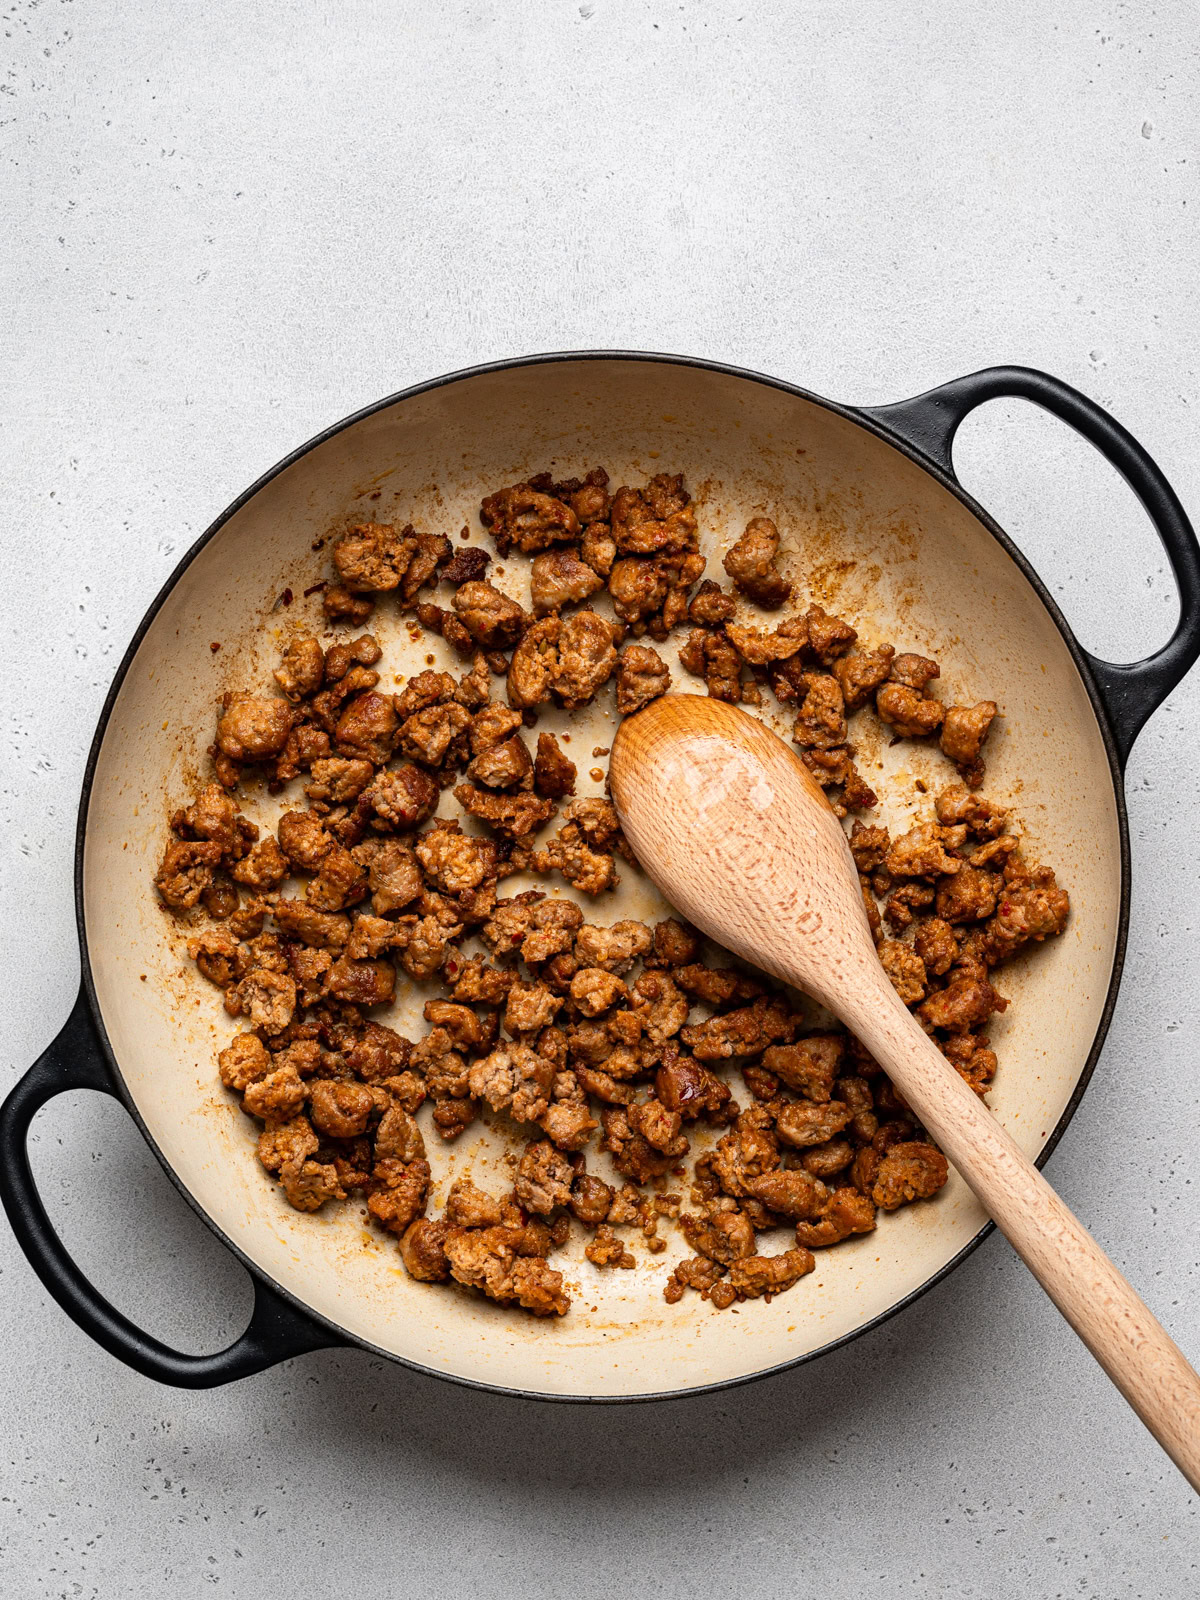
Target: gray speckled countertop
{"type": "Point", "coordinates": [228, 225]}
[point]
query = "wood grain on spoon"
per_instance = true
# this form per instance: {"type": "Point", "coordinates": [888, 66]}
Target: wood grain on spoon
{"type": "Point", "coordinates": [738, 835]}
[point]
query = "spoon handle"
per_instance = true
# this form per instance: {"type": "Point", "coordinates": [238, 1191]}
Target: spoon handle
{"type": "Point", "coordinates": [1137, 1353]}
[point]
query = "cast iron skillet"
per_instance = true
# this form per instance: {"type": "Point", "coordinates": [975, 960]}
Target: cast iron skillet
{"type": "Point", "coordinates": [923, 429]}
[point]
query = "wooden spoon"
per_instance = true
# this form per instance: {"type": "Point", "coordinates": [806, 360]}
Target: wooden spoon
{"type": "Point", "coordinates": [738, 835]}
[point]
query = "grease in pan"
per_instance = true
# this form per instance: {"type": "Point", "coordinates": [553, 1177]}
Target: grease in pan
{"type": "Point", "coordinates": [605, 1047]}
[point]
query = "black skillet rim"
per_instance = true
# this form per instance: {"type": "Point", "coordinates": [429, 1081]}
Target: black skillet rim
{"type": "Point", "coordinates": [862, 418]}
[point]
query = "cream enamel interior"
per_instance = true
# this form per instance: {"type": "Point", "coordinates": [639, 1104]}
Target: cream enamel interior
{"type": "Point", "coordinates": [866, 532]}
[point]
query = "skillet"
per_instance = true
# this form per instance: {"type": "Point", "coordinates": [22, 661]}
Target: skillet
{"type": "Point", "coordinates": [871, 512]}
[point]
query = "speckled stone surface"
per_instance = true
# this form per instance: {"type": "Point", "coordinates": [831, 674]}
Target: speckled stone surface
{"type": "Point", "coordinates": [229, 224]}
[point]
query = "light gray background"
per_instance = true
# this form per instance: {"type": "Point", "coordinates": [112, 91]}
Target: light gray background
{"type": "Point", "coordinates": [228, 224]}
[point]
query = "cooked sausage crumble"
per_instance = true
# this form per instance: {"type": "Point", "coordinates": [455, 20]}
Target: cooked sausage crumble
{"type": "Point", "coordinates": [586, 1036]}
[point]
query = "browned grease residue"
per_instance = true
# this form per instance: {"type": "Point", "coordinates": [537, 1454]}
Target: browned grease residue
{"type": "Point", "coordinates": [818, 529]}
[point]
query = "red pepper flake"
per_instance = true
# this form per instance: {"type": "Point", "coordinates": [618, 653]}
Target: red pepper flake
{"type": "Point", "coordinates": [317, 587]}
{"type": "Point", "coordinates": [285, 599]}
{"type": "Point", "coordinates": [215, 646]}
{"type": "Point", "coordinates": [451, 969]}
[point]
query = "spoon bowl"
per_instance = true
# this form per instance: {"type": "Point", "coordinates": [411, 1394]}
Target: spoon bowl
{"type": "Point", "coordinates": [765, 867]}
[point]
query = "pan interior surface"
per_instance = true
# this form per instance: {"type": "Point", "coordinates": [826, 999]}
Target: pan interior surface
{"type": "Point", "coordinates": [866, 533]}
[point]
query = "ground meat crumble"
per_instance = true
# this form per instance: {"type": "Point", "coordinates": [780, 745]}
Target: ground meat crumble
{"type": "Point", "coordinates": [581, 1033]}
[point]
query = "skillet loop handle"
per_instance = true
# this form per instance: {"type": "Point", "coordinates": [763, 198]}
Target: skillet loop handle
{"type": "Point", "coordinates": [276, 1329]}
{"type": "Point", "coordinates": [1130, 693]}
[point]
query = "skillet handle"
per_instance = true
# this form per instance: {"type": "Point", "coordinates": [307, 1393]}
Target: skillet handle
{"type": "Point", "coordinates": [1130, 693]}
{"type": "Point", "coordinates": [276, 1330]}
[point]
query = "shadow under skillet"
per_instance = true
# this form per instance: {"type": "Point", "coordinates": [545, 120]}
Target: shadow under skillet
{"type": "Point", "coordinates": [903, 1376]}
